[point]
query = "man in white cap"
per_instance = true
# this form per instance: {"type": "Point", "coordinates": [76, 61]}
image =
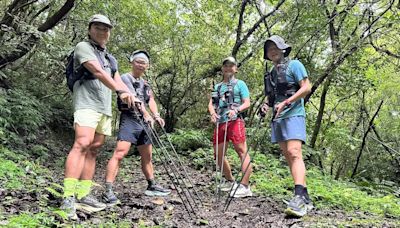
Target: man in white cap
{"type": "Point", "coordinates": [131, 130]}
{"type": "Point", "coordinates": [233, 97]}
{"type": "Point", "coordinates": [285, 86]}
{"type": "Point", "coordinates": [92, 114]}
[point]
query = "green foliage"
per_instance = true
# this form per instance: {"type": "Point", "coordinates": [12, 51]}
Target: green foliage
{"type": "Point", "coordinates": [202, 158]}
{"type": "Point", "coordinates": [10, 175]}
{"type": "Point", "coordinates": [32, 220]}
{"type": "Point", "coordinates": [272, 178]}
{"type": "Point", "coordinates": [21, 115]}
{"type": "Point", "coordinates": [17, 172]}
{"type": "Point", "coordinates": [185, 140]}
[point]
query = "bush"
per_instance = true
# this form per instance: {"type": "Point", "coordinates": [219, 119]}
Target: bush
{"type": "Point", "coordinates": [185, 140]}
{"type": "Point", "coordinates": [21, 116]}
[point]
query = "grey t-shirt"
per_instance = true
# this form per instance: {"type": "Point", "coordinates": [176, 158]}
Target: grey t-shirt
{"type": "Point", "coordinates": [91, 94]}
{"type": "Point", "coordinates": [129, 81]}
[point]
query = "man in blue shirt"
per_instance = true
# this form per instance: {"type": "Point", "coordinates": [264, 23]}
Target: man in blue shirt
{"type": "Point", "coordinates": [286, 85]}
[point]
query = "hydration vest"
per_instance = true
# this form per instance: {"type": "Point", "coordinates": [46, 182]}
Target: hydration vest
{"type": "Point", "coordinates": [275, 83]}
{"type": "Point", "coordinates": [228, 96]}
{"type": "Point", "coordinates": [142, 92]}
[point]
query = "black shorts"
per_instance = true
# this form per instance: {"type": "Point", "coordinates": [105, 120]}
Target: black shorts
{"type": "Point", "coordinates": [131, 130]}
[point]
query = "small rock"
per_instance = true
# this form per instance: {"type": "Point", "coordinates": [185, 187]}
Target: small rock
{"type": "Point", "coordinates": [244, 212]}
{"type": "Point", "coordinates": [158, 201]}
{"type": "Point", "coordinates": [96, 221]}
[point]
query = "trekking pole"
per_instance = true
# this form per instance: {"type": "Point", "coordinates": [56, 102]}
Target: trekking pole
{"type": "Point", "coordinates": [216, 159]}
{"type": "Point", "coordinates": [163, 161]}
{"type": "Point", "coordinates": [222, 161]}
{"type": "Point", "coordinates": [178, 171]}
{"type": "Point", "coordinates": [230, 198]}
{"type": "Point", "coordinates": [181, 164]}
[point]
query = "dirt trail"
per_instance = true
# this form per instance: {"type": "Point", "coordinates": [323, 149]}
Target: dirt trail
{"type": "Point", "coordinates": [135, 207]}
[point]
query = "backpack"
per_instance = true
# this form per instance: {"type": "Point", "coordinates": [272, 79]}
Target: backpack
{"type": "Point", "coordinates": [82, 73]}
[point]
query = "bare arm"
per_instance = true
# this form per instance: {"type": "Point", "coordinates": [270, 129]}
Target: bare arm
{"type": "Point", "coordinates": [153, 106]}
{"type": "Point", "coordinates": [118, 80]}
{"type": "Point", "coordinates": [211, 108]}
{"type": "Point", "coordinates": [245, 104]}
{"type": "Point", "coordinates": [305, 89]}
{"type": "Point", "coordinates": [94, 67]}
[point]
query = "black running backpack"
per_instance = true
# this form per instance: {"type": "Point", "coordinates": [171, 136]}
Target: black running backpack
{"type": "Point", "coordinates": [82, 73]}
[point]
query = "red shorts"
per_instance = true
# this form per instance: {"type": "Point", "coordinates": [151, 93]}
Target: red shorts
{"type": "Point", "coordinates": [236, 132]}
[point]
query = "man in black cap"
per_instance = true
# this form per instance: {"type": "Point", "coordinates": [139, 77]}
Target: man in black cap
{"type": "Point", "coordinates": [92, 115]}
{"type": "Point", "coordinates": [285, 86]}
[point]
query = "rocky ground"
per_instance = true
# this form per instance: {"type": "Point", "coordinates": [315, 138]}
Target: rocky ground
{"type": "Point", "coordinates": [140, 210]}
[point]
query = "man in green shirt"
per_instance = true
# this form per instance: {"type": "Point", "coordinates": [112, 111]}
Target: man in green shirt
{"type": "Point", "coordinates": [92, 116]}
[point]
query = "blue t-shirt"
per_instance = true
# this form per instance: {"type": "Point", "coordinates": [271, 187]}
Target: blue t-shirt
{"type": "Point", "coordinates": [240, 92]}
{"type": "Point", "coordinates": [294, 74]}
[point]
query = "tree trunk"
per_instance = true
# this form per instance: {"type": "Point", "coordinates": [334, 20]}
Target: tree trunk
{"type": "Point", "coordinates": [364, 141]}
{"type": "Point", "coordinates": [321, 110]}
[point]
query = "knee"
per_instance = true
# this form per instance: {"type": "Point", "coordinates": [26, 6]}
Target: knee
{"type": "Point", "coordinates": [95, 146]}
{"type": "Point", "coordinates": [119, 154]}
{"type": "Point", "coordinates": [81, 145]}
{"type": "Point", "coordinates": [241, 151]}
{"type": "Point", "coordinates": [294, 154]}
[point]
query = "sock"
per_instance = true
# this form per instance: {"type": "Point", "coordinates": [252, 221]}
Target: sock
{"type": "Point", "coordinates": [83, 188]}
{"type": "Point", "coordinates": [305, 194]}
{"type": "Point", "coordinates": [299, 190]}
{"type": "Point", "coordinates": [151, 182]}
{"type": "Point", "coordinates": [70, 186]}
{"type": "Point", "coordinates": [109, 186]}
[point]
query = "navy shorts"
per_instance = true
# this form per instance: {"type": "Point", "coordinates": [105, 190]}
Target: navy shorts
{"type": "Point", "coordinates": [290, 128]}
{"type": "Point", "coordinates": [131, 130]}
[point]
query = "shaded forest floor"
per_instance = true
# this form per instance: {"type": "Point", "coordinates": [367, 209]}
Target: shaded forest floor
{"type": "Point", "coordinates": [139, 210]}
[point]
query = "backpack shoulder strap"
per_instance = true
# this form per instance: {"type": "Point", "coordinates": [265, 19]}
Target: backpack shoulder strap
{"type": "Point", "coordinates": [233, 84]}
{"type": "Point", "coordinates": [219, 85]}
{"type": "Point", "coordinates": [113, 63]}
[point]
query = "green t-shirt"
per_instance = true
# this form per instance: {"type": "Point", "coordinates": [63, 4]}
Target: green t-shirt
{"type": "Point", "coordinates": [91, 94]}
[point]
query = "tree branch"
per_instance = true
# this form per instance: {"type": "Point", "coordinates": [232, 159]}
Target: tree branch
{"type": "Point", "coordinates": [239, 43]}
{"type": "Point", "coordinates": [57, 16]}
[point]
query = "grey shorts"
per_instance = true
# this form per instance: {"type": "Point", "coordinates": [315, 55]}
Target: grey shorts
{"type": "Point", "coordinates": [290, 128]}
{"type": "Point", "coordinates": [131, 130]}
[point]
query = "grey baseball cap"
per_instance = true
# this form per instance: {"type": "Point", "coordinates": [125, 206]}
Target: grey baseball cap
{"type": "Point", "coordinates": [279, 42]}
{"type": "Point", "coordinates": [229, 59]}
{"type": "Point", "coordinates": [100, 19]}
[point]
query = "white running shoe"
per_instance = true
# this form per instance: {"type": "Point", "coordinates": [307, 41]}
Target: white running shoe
{"type": "Point", "coordinates": [227, 186]}
{"type": "Point", "coordinates": [242, 191]}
